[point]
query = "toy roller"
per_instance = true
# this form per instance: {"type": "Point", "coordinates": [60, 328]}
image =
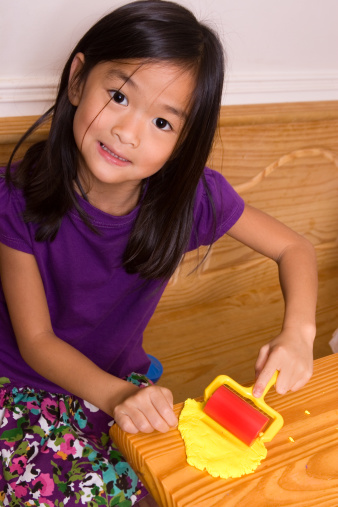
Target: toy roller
{"type": "Point", "coordinates": [227, 406]}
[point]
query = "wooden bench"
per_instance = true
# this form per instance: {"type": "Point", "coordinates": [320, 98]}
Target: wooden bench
{"type": "Point", "coordinates": [282, 158]}
{"type": "Point", "coordinates": [301, 467]}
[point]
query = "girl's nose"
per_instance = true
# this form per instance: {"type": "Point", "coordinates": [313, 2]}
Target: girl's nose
{"type": "Point", "coordinates": [128, 130]}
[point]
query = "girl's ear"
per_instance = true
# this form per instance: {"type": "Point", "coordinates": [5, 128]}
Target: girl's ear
{"type": "Point", "coordinates": [74, 86]}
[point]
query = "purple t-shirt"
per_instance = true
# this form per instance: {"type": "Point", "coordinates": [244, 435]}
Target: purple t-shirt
{"type": "Point", "coordinates": [94, 304]}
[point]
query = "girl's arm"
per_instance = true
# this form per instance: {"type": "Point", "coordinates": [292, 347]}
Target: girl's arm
{"type": "Point", "coordinates": [133, 408]}
{"type": "Point", "coordinates": [291, 352]}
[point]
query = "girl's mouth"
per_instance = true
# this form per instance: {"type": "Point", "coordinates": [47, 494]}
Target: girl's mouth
{"type": "Point", "coordinates": [112, 153]}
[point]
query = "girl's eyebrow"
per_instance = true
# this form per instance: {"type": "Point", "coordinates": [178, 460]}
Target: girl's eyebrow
{"type": "Point", "coordinates": [178, 112]}
{"type": "Point", "coordinates": [113, 73]}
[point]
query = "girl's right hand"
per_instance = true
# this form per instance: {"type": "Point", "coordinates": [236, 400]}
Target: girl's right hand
{"type": "Point", "coordinates": [145, 410]}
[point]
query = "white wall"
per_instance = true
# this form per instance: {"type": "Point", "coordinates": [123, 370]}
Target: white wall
{"type": "Point", "coordinates": [278, 50]}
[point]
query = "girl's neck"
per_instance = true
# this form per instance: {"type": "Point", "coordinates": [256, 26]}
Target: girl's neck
{"type": "Point", "coordinates": [117, 201]}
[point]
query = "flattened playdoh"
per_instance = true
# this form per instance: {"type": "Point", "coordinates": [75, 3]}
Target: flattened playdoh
{"type": "Point", "coordinates": [225, 435]}
{"type": "Point", "coordinates": [213, 451]}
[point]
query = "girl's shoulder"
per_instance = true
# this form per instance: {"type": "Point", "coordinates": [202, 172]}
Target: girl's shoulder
{"type": "Point", "coordinates": [217, 184]}
{"type": "Point", "coordinates": [214, 190]}
{"type": "Point", "coordinates": [217, 207]}
{"type": "Point", "coordinates": [10, 196]}
{"type": "Point", "coordinates": [13, 230]}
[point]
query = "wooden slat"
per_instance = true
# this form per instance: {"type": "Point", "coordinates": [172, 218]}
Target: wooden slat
{"type": "Point", "coordinates": [302, 473]}
{"type": "Point", "coordinates": [12, 128]}
{"type": "Point", "coordinates": [254, 114]}
{"type": "Point", "coordinates": [11, 131]}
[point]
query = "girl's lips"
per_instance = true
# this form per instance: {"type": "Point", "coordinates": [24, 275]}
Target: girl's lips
{"type": "Point", "coordinates": [111, 155]}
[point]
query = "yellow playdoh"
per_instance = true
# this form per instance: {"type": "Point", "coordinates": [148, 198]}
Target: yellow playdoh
{"type": "Point", "coordinates": [206, 449]}
{"type": "Point", "coordinates": [211, 446]}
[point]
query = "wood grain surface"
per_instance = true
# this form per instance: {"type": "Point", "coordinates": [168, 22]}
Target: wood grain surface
{"type": "Point", "coordinates": [303, 473]}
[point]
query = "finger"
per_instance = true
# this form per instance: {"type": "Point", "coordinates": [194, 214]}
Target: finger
{"type": "Point", "coordinates": [261, 359]}
{"type": "Point", "coordinates": [262, 380]}
{"type": "Point", "coordinates": [301, 383]}
{"type": "Point", "coordinates": [126, 424]}
{"type": "Point", "coordinates": [133, 419]}
{"type": "Point", "coordinates": [168, 395]}
{"type": "Point", "coordinates": [297, 386]}
{"type": "Point", "coordinates": [284, 382]}
{"type": "Point", "coordinates": [163, 403]}
{"type": "Point", "coordinates": [292, 378]}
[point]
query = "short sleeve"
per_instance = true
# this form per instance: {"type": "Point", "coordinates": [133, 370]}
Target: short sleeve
{"type": "Point", "coordinates": [13, 230]}
{"type": "Point", "coordinates": [217, 208]}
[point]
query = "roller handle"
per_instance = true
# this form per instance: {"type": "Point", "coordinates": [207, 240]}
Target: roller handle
{"type": "Point", "coordinates": [271, 383]}
{"type": "Point", "coordinates": [244, 391]}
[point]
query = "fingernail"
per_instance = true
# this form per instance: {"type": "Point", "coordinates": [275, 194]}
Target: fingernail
{"type": "Point", "coordinates": [257, 392]}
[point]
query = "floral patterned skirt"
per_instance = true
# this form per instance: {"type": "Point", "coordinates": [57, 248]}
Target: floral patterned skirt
{"type": "Point", "coordinates": [55, 450]}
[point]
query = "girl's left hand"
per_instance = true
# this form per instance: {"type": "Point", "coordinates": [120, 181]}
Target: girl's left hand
{"type": "Point", "coordinates": [145, 410]}
{"type": "Point", "coordinates": [289, 353]}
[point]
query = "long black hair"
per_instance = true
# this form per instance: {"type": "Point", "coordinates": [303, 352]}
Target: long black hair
{"type": "Point", "coordinates": [152, 30]}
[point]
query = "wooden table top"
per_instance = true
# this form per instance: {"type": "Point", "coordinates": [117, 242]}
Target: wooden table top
{"type": "Point", "coordinates": [299, 473]}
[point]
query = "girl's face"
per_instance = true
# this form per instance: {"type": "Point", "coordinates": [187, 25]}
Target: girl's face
{"type": "Point", "coordinates": [128, 120]}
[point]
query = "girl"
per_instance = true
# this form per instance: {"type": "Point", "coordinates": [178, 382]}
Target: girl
{"type": "Point", "coordinates": [93, 223]}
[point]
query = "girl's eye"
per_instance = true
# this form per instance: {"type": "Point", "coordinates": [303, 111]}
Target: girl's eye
{"type": "Point", "coordinates": [119, 97]}
{"type": "Point", "coordinates": [162, 124]}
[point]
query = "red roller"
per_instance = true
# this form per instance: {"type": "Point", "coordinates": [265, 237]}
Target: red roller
{"type": "Point", "coordinates": [236, 415]}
